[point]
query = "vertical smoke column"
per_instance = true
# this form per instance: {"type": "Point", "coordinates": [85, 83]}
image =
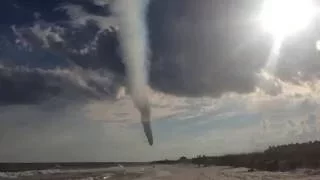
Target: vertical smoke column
{"type": "Point", "coordinates": [131, 16]}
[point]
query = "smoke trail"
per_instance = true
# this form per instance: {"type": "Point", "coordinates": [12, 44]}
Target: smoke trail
{"type": "Point", "coordinates": [134, 45]}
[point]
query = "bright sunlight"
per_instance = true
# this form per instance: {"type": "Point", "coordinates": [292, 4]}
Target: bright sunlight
{"type": "Point", "coordinates": [283, 18]}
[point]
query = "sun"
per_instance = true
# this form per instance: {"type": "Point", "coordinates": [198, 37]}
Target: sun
{"type": "Point", "coordinates": [283, 18]}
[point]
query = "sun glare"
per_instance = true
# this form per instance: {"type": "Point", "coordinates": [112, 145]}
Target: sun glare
{"type": "Point", "coordinates": [283, 18]}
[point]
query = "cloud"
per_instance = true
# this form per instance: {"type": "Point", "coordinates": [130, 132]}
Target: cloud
{"type": "Point", "coordinates": [202, 57]}
{"type": "Point", "coordinates": [191, 56]}
{"type": "Point", "coordinates": [21, 85]}
{"type": "Point", "coordinates": [79, 16]}
{"type": "Point", "coordinates": [72, 134]}
{"type": "Point", "coordinates": [101, 2]}
{"type": "Point", "coordinates": [64, 82]}
{"type": "Point", "coordinates": [221, 49]}
{"type": "Point", "coordinates": [96, 91]}
{"type": "Point", "coordinates": [217, 51]}
{"type": "Point", "coordinates": [209, 63]}
{"type": "Point", "coordinates": [65, 135]}
{"type": "Point", "coordinates": [299, 58]}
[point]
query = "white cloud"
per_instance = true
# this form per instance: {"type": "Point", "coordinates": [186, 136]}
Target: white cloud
{"type": "Point", "coordinates": [40, 34]}
{"type": "Point", "coordinates": [101, 2]}
{"type": "Point", "coordinates": [123, 110]}
{"type": "Point", "coordinates": [75, 134]}
{"type": "Point", "coordinates": [80, 17]}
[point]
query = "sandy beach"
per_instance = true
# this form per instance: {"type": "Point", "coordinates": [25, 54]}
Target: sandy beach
{"type": "Point", "coordinates": [163, 172]}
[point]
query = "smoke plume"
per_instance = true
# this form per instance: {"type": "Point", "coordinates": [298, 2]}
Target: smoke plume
{"type": "Point", "coordinates": [134, 46]}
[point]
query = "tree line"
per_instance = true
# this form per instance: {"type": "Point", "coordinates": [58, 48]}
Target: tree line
{"type": "Point", "coordinates": [275, 158]}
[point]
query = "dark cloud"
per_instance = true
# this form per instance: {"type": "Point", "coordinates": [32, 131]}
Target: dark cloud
{"type": "Point", "coordinates": [85, 46]}
{"type": "Point", "coordinates": [33, 86]}
{"type": "Point", "coordinates": [299, 59]}
{"type": "Point", "coordinates": [198, 48]}
{"type": "Point", "coordinates": [205, 48]}
{"type": "Point", "coordinates": [20, 87]}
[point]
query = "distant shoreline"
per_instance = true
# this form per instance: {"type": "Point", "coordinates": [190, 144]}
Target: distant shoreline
{"type": "Point", "coordinates": [15, 167]}
{"type": "Point", "coordinates": [275, 158]}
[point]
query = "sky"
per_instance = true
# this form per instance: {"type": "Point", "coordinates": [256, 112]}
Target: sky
{"type": "Point", "coordinates": [64, 96]}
